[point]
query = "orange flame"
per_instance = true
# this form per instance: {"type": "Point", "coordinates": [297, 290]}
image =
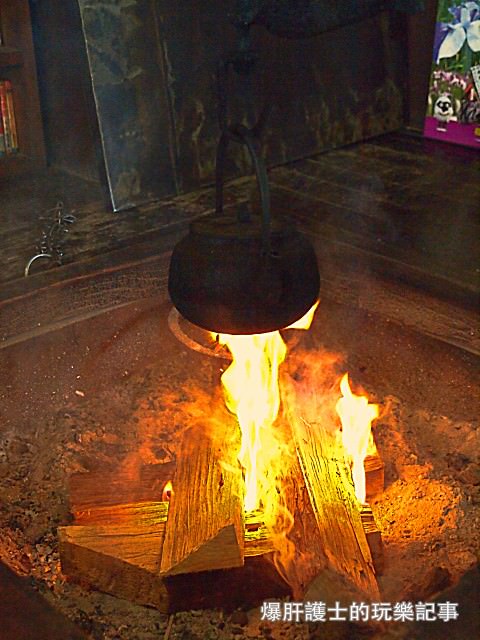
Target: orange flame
{"type": "Point", "coordinates": [251, 388]}
{"type": "Point", "coordinates": [305, 321]}
{"type": "Point", "coordinates": [167, 491]}
{"type": "Point", "coordinates": [356, 415]}
{"type": "Point", "coordinates": [252, 394]}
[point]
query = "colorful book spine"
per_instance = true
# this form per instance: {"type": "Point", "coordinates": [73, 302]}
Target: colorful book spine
{"type": "Point", "coordinates": [8, 135]}
{"type": "Point", "coordinates": [2, 139]}
{"type": "Point", "coordinates": [11, 115]}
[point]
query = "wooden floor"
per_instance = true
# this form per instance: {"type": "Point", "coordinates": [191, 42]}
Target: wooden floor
{"type": "Point", "coordinates": [395, 209]}
{"type": "Point", "coordinates": [409, 206]}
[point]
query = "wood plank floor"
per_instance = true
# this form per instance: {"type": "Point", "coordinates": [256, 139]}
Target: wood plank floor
{"type": "Point", "coordinates": [410, 204]}
{"type": "Point", "coordinates": [383, 213]}
{"type": "Point", "coordinates": [413, 214]}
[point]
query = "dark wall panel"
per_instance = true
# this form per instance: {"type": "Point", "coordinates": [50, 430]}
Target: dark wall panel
{"type": "Point", "coordinates": [329, 90]}
{"type": "Point", "coordinates": [130, 94]}
{"type": "Point", "coordinates": [153, 70]}
{"type": "Point", "coordinates": [69, 118]}
{"type": "Point", "coordinates": [421, 29]}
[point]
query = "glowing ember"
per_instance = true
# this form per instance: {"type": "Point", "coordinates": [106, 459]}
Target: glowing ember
{"type": "Point", "coordinates": [167, 492]}
{"type": "Point", "coordinates": [356, 415]}
{"type": "Point", "coordinates": [252, 394]}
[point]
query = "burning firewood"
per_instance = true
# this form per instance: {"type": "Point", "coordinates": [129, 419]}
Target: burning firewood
{"type": "Point", "coordinates": [349, 568]}
{"type": "Point", "coordinates": [121, 559]}
{"type": "Point", "coordinates": [118, 551]}
{"type": "Point", "coordinates": [117, 548]}
{"type": "Point", "coordinates": [374, 538]}
{"type": "Point", "coordinates": [205, 526]}
{"type": "Point", "coordinates": [300, 555]}
{"type": "Point", "coordinates": [290, 496]}
{"type": "Point", "coordinates": [95, 496]}
{"type": "Point", "coordinates": [374, 474]}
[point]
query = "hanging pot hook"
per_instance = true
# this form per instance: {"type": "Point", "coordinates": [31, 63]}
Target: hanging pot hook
{"type": "Point", "coordinates": [244, 136]}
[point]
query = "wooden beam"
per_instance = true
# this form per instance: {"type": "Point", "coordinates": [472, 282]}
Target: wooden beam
{"type": "Point", "coordinates": [119, 559]}
{"type": "Point", "coordinates": [336, 510]}
{"type": "Point", "coordinates": [349, 278]}
{"type": "Point", "coordinates": [374, 475]}
{"type": "Point", "coordinates": [205, 526]}
{"type": "Point", "coordinates": [132, 482]}
{"type": "Point", "coordinates": [104, 276]}
{"type": "Point", "coordinates": [348, 572]}
{"type": "Point", "coordinates": [374, 538]}
{"type": "Point", "coordinates": [120, 554]}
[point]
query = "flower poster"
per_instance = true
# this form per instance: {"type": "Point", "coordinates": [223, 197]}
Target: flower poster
{"type": "Point", "coordinates": [453, 112]}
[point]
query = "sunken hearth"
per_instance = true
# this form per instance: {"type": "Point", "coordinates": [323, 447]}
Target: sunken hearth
{"type": "Point", "coordinates": [111, 402]}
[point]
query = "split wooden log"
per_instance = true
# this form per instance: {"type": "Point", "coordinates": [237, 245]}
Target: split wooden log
{"type": "Point", "coordinates": [374, 475]}
{"type": "Point", "coordinates": [349, 572]}
{"type": "Point", "coordinates": [121, 554]}
{"type": "Point", "coordinates": [119, 548]}
{"type": "Point", "coordinates": [120, 559]}
{"type": "Point", "coordinates": [301, 561]}
{"type": "Point", "coordinates": [92, 494]}
{"type": "Point", "coordinates": [205, 526]}
{"type": "Point", "coordinates": [116, 541]}
{"type": "Point", "coordinates": [374, 538]}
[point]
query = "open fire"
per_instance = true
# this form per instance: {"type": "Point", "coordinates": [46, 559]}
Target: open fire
{"type": "Point", "coordinates": [252, 393]}
{"type": "Point", "coordinates": [356, 414]}
{"type": "Point", "coordinates": [121, 512]}
{"type": "Point", "coordinates": [283, 492]}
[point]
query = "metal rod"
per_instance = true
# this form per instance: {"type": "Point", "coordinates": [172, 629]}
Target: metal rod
{"type": "Point", "coordinates": [32, 260]}
{"type": "Point", "coordinates": [242, 135]}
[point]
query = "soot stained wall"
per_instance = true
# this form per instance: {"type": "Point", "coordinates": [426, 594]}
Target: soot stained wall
{"type": "Point", "coordinates": [152, 66]}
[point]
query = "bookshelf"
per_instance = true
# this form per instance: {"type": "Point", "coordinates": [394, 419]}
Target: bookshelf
{"type": "Point", "coordinates": [17, 65]}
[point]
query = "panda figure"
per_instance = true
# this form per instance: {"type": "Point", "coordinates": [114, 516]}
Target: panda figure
{"type": "Point", "coordinates": [444, 111]}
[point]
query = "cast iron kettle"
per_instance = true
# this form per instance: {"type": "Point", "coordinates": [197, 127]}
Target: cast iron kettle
{"type": "Point", "coordinates": [243, 274]}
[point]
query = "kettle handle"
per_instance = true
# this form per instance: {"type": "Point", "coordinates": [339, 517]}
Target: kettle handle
{"type": "Point", "coordinates": [242, 135]}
